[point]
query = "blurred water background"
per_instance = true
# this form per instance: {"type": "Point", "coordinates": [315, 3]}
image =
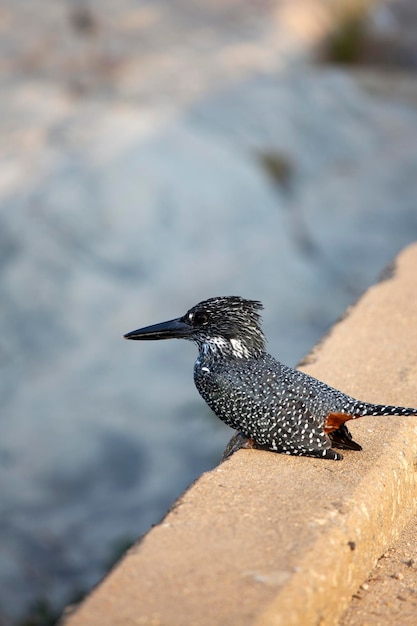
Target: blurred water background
{"type": "Point", "coordinates": [155, 154]}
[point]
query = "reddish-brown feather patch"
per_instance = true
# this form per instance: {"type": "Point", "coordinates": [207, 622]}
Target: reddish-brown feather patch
{"type": "Point", "coordinates": [335, 420]}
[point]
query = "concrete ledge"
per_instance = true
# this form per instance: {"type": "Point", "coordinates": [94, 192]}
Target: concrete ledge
{"type": "Point", "coordinates": [265, 539]}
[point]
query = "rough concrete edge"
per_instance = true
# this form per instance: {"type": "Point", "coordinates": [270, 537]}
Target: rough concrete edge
{"type": "Point", "coordinates": [344, 558]}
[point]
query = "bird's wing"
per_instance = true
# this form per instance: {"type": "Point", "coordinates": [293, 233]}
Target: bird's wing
{"type": "Point", "coordinates": [272, 408]}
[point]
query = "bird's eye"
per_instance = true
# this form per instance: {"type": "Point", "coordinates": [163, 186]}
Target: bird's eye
{"type": "Point", "coordinates": [200, 318]}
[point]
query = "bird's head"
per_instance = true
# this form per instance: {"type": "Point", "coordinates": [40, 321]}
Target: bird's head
{"type": "Point", "coordinates": [227, 325]}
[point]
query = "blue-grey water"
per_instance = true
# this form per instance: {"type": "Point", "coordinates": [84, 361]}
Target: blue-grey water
{"type": "Point", "coordinates": [291, 183]}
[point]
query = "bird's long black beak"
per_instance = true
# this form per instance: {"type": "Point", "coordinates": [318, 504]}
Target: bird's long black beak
{"type": "Point", "coordinates": [173, 329]}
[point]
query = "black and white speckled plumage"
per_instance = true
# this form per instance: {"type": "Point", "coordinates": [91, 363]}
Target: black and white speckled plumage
{"type": "Point", "coordinates": [276, 407]}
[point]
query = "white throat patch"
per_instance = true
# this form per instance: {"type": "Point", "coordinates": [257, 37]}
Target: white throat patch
{"type": "Point", "coordinates": [239, 349]}
{"type": "Point", "coordinates": [215, 344]}
{"type": "Point", "coordinates": [226, 346]}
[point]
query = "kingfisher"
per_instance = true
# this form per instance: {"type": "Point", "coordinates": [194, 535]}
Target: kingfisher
{"type": "Point", "coordinates": [272, 406]}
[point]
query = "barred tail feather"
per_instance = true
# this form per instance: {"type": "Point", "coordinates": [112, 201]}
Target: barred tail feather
{"type": "Point", "coordinates": [363, 408]}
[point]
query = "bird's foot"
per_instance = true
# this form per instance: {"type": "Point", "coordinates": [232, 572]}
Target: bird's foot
{"type": "Point", "coordinates": [239, 441]}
